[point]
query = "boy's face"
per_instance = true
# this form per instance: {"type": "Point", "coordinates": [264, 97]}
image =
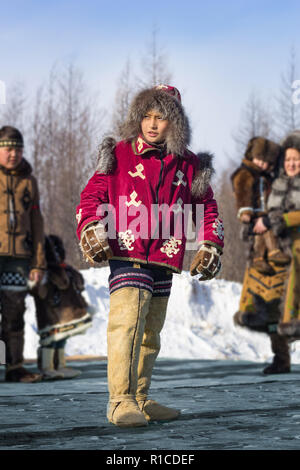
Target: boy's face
{"type": "Point", "coordinates": [10, 157]}
{"type": "Point", "coordinates": [292, 162]}
{"type": "Point", "coordinates": [261, 164]}
{"type": "Point", "coordinates": [154, 127]}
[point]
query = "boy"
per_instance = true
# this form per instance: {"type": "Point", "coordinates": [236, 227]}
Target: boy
{"type": "Point", "coordinates": [21, 248]}
{"type": "Point", "coordinates": [151, 166]}
{"type": "Point", "coordinates": [252, 185]}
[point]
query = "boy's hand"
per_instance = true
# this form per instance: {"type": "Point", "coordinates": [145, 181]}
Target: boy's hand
{"type": "Point", "coordinates": [94, 244]}
{"type": "Point", "coordinates": [259, 226]}
{"type": "Point", "coordinates": [245, 218]}
{"type": "Point", "coordinates": [35, 277]}
{"type": "Point", "coordinates": [206, 262]}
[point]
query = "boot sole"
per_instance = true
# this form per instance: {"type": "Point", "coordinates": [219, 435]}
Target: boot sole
{"type": "Point", "coordinates": [126, 425]}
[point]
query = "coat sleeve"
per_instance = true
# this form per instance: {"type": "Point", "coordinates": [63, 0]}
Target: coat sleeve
{"type": "Point", "coordinates": [38, 260]}
{"type": "Point", "coordinates": [209, 226]}
{"type": "Point", "coordinates": [243, 190]}
{"type": "Point", "coordinates": [94, 194]}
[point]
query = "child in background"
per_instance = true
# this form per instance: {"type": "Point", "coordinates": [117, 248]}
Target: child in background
{"type": "Point", "coordinates": [22, 256]}
{"type": "Point", "coordinates": [252, 185]}
{"type": "Point", "coordinates": [61, 311]}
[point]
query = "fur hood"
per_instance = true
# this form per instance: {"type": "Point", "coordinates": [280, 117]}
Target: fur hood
{"type": "Point", "coordinates": [178, 135]}
{"type": "Point", "coordinates": [263, 149]}
{"type": "Point", "coordinates": [107, 160]}
{"type": "Point", "coordinates": [203, 177]}
{"type": "Point", "coordinates": [292, 141]}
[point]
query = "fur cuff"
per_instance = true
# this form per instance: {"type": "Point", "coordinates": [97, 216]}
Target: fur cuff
{"type": "Point", "coordinates": [106, 156]}
{"type": "Point", "coordinates": [290, 329]}
{"type": "Point", "coordinates": [203, 175]}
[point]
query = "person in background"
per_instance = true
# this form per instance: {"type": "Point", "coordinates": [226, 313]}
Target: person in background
{"type": "Point", "coordinates": [284, 219]}
{"type": "Point", "coordinates": [61, 311]}
{"type": "Point", "coordinates": [267, 262]}
{"type": "Point", "coordinates": [22, 258]}
{"type": "Point", "coordinates": [252, 183]}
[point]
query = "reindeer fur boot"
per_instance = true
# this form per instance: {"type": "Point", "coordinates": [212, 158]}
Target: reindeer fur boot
{"type": "Point", "coordinates": [150, 347]}
{"type": "Point", "coordinates": [46, 364]}
{"type": "Point", "coordinates": [129, 307]}
{"type": "Point", "coordinates": [61, 368]}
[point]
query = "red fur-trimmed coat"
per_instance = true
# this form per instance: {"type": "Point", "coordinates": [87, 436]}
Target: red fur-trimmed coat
{"type": "Point", "coordinates": [142, 175]}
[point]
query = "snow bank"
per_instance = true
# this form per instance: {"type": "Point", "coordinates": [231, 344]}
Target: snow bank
{"type": "Point", "coordinates": [198, 325]}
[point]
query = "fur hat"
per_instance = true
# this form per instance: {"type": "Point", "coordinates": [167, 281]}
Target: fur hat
{"type": "Point", "coordinates": [167, 101]}
{"type": "Point", "coordinates": [292, 141]}
{"type": "Point", "coordinates": [263, 149]}
{"type": "Point", "coordinates": [11, 137]}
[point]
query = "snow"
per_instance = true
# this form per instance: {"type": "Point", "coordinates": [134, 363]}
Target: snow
{"type": "Point", "coordinates": [198, 325]}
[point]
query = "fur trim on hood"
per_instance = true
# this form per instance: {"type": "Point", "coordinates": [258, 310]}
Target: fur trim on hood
{"type": "Point", "coordinates": [106, 157]}
{"type": "Point", "coordinates": [292, 141]}
{"type": "Point", "coordinates": [263, 149]}
{"type": "Point", "coordinates": [204, 174]}
{"type": "Point", "coordinates": [178, 134]}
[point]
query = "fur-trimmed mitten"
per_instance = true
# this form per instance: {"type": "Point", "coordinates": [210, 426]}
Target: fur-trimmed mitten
{"type": "Point", "coordinates": [94, 244]}
{"type": "Point", "coordinates": [207, 262]}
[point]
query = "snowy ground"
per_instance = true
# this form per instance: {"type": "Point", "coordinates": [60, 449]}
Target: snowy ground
{"type": "Point", "coordinates": [198, 326]}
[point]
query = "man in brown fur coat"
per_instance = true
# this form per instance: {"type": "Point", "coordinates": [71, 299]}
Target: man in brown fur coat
{"type": "Point", "coordinates": [21, 248]}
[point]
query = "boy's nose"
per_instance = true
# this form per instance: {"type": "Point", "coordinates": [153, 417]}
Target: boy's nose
{"type": "Point", "coordinates": [153, 123]}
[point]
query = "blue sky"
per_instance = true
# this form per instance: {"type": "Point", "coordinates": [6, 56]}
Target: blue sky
{"type": "Point", "coordinates": [218, 51]}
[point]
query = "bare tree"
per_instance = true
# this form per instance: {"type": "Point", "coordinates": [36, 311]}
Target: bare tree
{"type": "Point", "coordinates": [123, 96]}
{"type": "Point", "coordinates": [287, 113]}
{"type": "Point", "coordinates": [235, 250]}
{"type": "Point", "coordinates": [256, 120]}
{"type": "Point", "coordinates": [14, 111]}
{"type": "Point", "coordinates": [67, 125]}
{"type": "Point", "coordinates": [154, 64]}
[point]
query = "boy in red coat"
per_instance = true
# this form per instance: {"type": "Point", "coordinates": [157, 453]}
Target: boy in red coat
{"type": "Point", "coordinates": [151, 173]}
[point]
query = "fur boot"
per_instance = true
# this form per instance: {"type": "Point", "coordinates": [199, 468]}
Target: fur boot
{"type": "Point", "coordinates": [128, 310]}
{"type": "Point", "coordinates": [275, 254]}
{"type": "Point", "coordinates": [46, 361]}
{"type": "Point", "coordinates": [281, 362]}
{"type": "Point", "coordinates": [67, 372]}
{"type": "Point", "coordinates": [150, 347]}
{"type": "Point", "coordinates": [21, 375]}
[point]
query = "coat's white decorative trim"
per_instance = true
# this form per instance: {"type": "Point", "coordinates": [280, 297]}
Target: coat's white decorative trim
{"type": "Point", "coordinates": [125, 240]}
{"type": "Point", "coordinates": [170, 247]}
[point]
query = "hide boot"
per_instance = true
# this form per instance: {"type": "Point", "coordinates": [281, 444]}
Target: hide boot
{"type": "Point", "coordinates": [275, 255]}
{"type": "Point", "coordinates": [61, 368]}
{"type": "Point", "coordinates": [128, 310]}
{"type": "Point", "coordinates": [281, 363]}
{"type": "Point", "coordinates": [150, 348]}
{"type": "Point", "coordinates": [46, 361]}
{"type": "Point", "coordinates": [12, 333]}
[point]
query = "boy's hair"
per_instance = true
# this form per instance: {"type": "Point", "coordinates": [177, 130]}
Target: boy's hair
{"type": "Point", "coordinates": [178, 133]}
{"type": "Point", "coordinates": [10, 137]}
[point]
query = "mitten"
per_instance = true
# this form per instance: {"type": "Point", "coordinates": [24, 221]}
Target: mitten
{"type": "Point", "coordinates": [94, 244]}
{"type": "Point", "coordinates": [207, 262]}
